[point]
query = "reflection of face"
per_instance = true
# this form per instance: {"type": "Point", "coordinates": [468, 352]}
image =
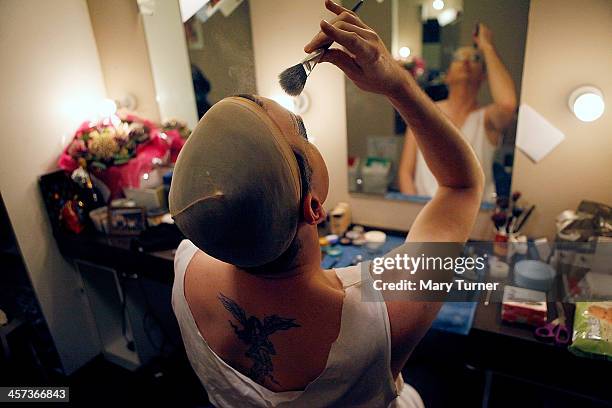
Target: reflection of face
{"type": "Point", "coordinates": [292, 127]}
{"type": "Point", "coordinates": [467, 66]}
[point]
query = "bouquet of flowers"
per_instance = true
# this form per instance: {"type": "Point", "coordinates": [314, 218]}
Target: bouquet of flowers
{"type": "Point", "coordinates": [118, 150]}
{"type": "Point", "coordinates": [174, 126]}
{"type": "Point", "coordinates": [109, 142]}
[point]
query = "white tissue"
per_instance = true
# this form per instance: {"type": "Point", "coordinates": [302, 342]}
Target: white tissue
{"type": "Point", "coordinates": [536, 136]}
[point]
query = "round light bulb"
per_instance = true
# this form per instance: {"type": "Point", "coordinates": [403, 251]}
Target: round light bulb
{"type": "Point", "coordinates": [296, 104]}
{"type": "Point", "coordinates": [285, 101]}
{"type": "Point", "coordinates": [438, 4]}
{"type": "Point", "coordinates": [404, 52]}
{"type": "Point", "coordinates": [587, 103]}
{"type": "Point", "coordinates": [106, 108]}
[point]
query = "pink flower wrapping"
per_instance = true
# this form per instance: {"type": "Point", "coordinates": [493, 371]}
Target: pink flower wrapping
{"type": "Point", "coordinates": [120, 152]}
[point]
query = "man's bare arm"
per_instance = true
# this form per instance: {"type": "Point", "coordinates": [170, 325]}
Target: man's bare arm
{"type": "Point", "coordinates": [407, 165]}
{"type": "Point", "coordinates": [450, 215]}
{"type": "Point", "coordinates": [500, 113]}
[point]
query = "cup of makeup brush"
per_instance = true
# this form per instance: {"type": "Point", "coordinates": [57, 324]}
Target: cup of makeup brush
{"type": "Point", "coordinates": [500, 244]}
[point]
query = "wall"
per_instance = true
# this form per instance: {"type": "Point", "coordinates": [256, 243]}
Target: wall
{"type": "Point", "coordinates": [51, 80]}
{"type": "Point", "coordinates": [120, 39]}
{"type": "Point", "coordinates": [568, 45]}
{"type": "Point", "coordinates": [226, 58]}
{"type": "Point", "coordinates": [326, 119]}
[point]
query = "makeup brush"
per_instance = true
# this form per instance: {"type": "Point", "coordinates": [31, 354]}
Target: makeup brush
{"type": "Point", "coordinates": [475, 33]}
{"type": "Point", "coordinates": [499, 218]}
{"type": "Point", "coordinates": [293, 79]}
{"type": "Point", "coordinates": [524, 218]}
{"type": "Point", "coordinates": [516, 213]}
{"type": "Point", "coordinates": [502, 203]}
{"type": "Point", "coordinates": [513, 210]}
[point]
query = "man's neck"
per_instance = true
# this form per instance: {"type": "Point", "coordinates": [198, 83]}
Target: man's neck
{"type": "Point", "coordinates": [308, 260]}
{"type": "Point", "coordinates": [462, 97]}
{"type": "Point", "coordinates": [297, 272]}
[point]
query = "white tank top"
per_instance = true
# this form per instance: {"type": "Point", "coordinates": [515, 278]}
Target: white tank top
{"type": "Point", "coordinates": [474, 132]}
{"type": "Point", "coordinates": [357, 373]}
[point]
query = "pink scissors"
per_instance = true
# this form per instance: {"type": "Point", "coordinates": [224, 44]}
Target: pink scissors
{"type": "Point", "coordinates": [555, 331]}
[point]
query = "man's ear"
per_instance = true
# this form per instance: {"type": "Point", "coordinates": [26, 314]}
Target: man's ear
{"type": "Point", "coordinates": [312, 210]}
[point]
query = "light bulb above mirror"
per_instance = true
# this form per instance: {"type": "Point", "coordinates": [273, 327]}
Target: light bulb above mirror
{"type": "Point", "coordinates": [404, 52]}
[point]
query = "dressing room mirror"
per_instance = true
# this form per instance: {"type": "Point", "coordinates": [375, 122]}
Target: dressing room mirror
{"type": "Point", "coordinates": [475, 79]}
{"type": "Point", "coordinates": [472, 71]}
{"type": "Point", "coordinates": [220, 48]}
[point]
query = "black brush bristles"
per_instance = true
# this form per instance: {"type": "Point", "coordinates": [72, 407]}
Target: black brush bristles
{"type": "Point", "coordinates": [293, 79]}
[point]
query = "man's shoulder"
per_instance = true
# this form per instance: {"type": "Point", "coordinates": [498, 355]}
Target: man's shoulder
{"type": "Point", "coordinates": [183, 254]}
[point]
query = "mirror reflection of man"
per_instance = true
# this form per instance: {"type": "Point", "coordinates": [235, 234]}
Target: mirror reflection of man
{"type": "Point", "coordinates": [481, 126]}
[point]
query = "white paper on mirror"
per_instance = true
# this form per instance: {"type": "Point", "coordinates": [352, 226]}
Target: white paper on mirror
{"type": "Point", "coordinates": [536, 136]}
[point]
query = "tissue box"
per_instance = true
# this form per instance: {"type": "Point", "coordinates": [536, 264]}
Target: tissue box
{"type": "Point", "coordinates": [376, 175]}
{"type": "Point", "coordinates": [527, 306]}
{"type": "Point", "coordinates": [149, 198]}
{"type": "Point", "coordinates": [99, 217]}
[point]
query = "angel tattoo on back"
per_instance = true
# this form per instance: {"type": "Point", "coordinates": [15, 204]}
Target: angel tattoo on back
{"type": "Point", "coordinates": [254, 333]}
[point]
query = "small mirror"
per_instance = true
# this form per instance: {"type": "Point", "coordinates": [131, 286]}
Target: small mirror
{"type": "Point", "coordinates": [467, 55]}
